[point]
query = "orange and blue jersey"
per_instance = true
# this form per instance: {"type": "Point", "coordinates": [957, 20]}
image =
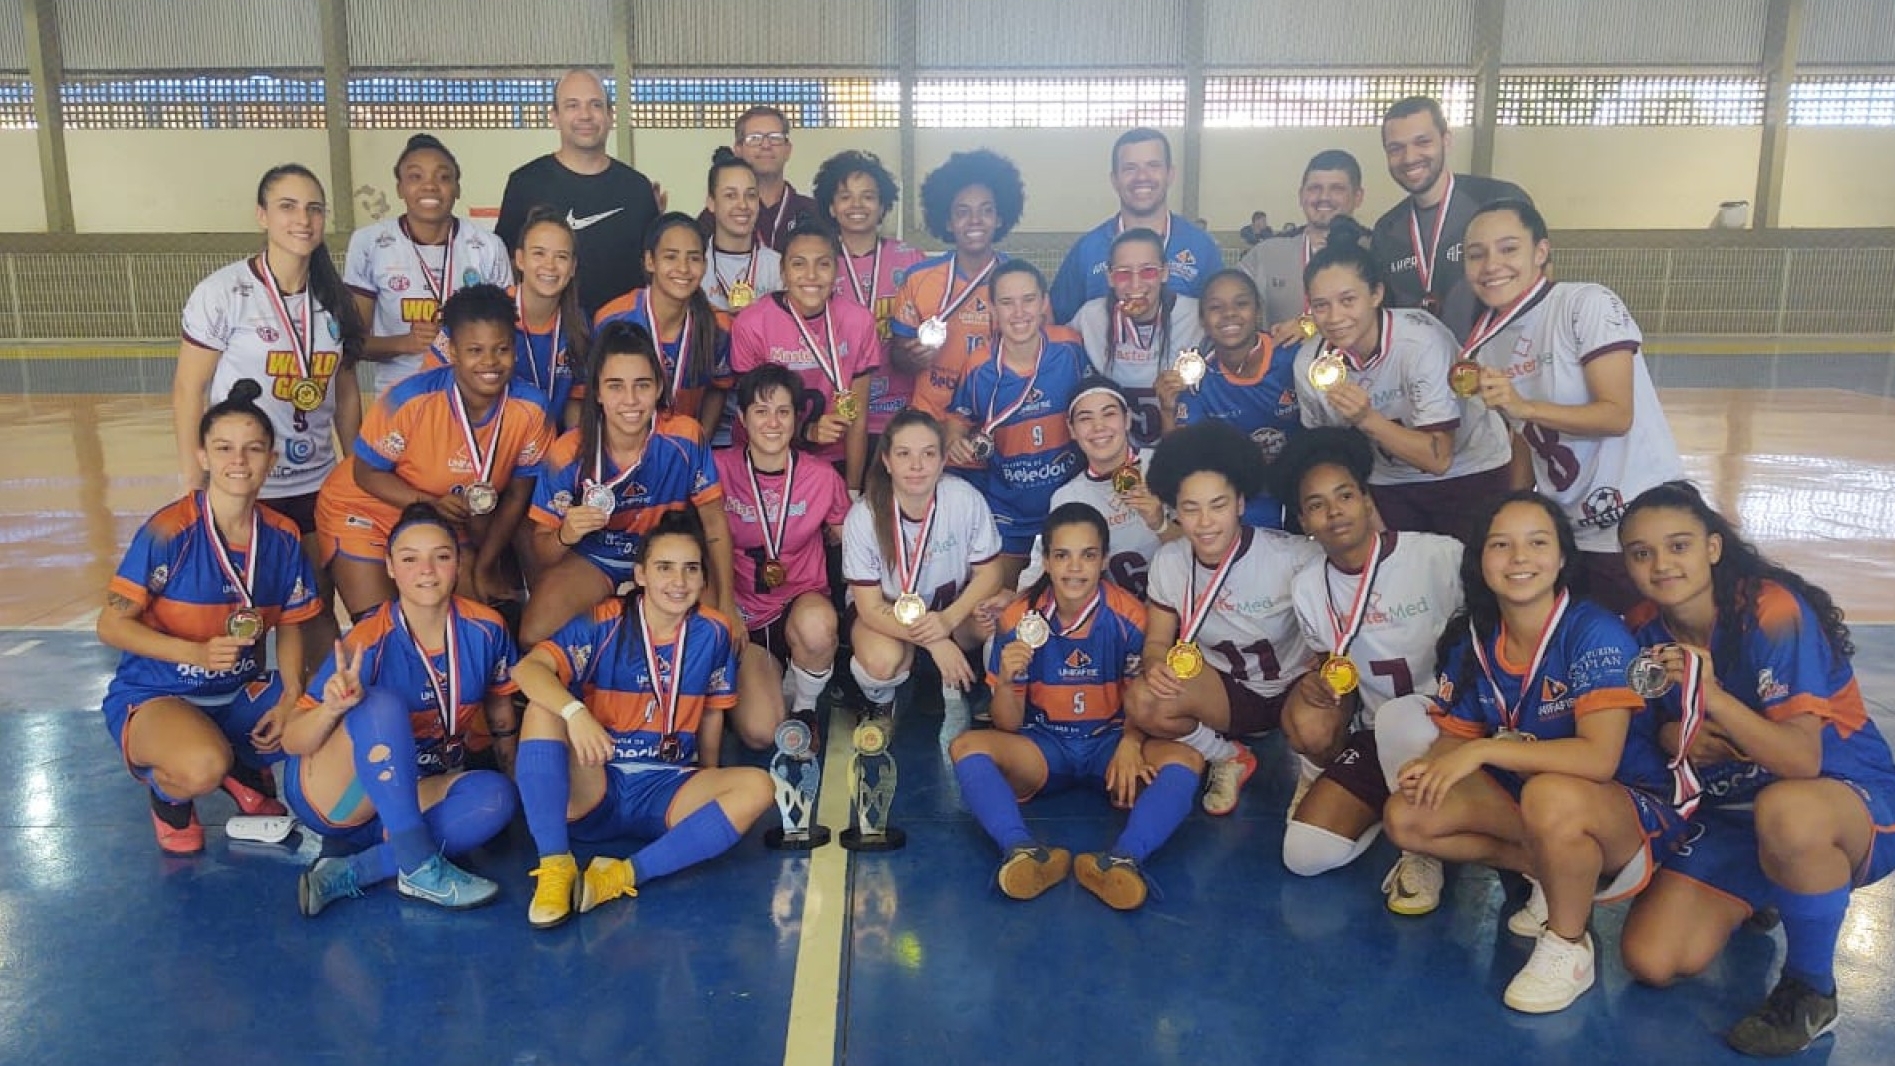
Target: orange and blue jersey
{"type": "Point", "coordinates": [687, 394]}
{"type": "Point", "coordinates": [1778, 661]}
{"type": "Point", "coordinates": [1582, 673]}
{"type": "Point", "coordinates": [924, 293]}
{"type": "Point", "coordinates": [1075, 685]}
{"type": "Point", "coordinates": [539, 360]}
{"type": "Point", "coordinates": [1262, 405]}
{"type": "Point", "coordinates": [412, 433]}
{"type": "Point", "coordinates": [1034, 452]}
{"type": "Point", "coordinates": [172, 574]}
{"type": "Point", "coordinates": [601, 660]}
{"type": "Point", "coordinates": [484, 655]}
{"type": "Point", "coordinates": [676, 472]}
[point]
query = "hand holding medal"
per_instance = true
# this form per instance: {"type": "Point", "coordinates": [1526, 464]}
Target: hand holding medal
{"type": "Point", "coordinates": [909, 607]}
{"type": "Point", "coordinates": [244, 625]}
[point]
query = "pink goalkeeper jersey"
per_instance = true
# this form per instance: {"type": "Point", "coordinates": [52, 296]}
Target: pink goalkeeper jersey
{"type": "Point", "coordinates": [818, 498]}
{"type": "Point", "coordinates": [871, 281]}
{"type": "Point", "coordinates": [842, 337]}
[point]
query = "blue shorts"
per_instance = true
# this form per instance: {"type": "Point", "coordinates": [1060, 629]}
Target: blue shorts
{"type": "Point", "coordinates": [1720, 850]}
{"type": "Point", "coordinates": [1662, 826]}
{"type": "Point", "coordinates": [366, 835]}
{"type": "Point", "coordinates": [1017, 533]}
{"type": "Point", "coordinates": [616, 569]}
{"type": "Point", "coordinates": [634, 804]}
{"type": "Point", "coordinates": [1073, 761]}
{"type": "Point", "coordinates": [235, 717]}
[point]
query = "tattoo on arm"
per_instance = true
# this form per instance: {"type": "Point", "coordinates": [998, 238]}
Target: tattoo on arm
{"type": "Point", "coordinates": [120, 604]}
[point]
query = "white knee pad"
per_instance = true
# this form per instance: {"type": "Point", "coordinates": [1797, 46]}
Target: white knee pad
{"type": "Point", "coordinates": [1403, 732]}
{"type": "Point", "coordinates": [1309, 850]}
{"type": "Point", "coordinates": [876, 689]}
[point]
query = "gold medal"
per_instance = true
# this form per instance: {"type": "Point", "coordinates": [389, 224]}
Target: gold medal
{"type": "Point", "coordinates": [1306, 325]}
{"type": "Point", "coordinates": [774, 573]}
{"type": "Point", "coordinates": [245, 624]}
{"type": "Point", "coordinates": [1464, 378]}
{"type": "Point", "coordinates": [742, 294]}
{"type": "Point", "coordinates": [909, 608]}
{"type": "Point", "coordinates": [1327, 371]}
{"type": "Point", "coordinates": [1340, 674]}
{"type": "Point", "coordinates": [1126, 478]}
{"type": "Point", "coordinates": [848, 406]}
{"type": "Point", "coordinates": [306, 394]}
{"type": "Point", "coordinates": [1185, 660]}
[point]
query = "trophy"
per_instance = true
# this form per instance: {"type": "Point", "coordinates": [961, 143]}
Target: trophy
{"type": "Point", "coordinates": [797, 777]}
{"type": "Point", "coordinates": [872, 772]}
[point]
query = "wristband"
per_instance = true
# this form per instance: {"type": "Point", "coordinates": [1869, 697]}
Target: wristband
{"type": "Point", "coordinates": [571, 709]}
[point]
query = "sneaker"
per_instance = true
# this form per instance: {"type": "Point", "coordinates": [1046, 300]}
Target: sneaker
{"type": "Point", "coordinates": [606, 880]}
{"type": "Point", "coordinates": [179, 832]}
{"type": "Point", "coordinates": [1413, 885]}
{"type": "Point", "coordinates": [444, 884]}
{"type": "Point", "coordinates": [1789, 1021]}
{"type": "Point", "coordinates": [1028, 871]}
{"type": "Point", "coordinates": [1225, 780]}
{"type": "Point", "coordinates": [326, 881]}
{"type": "Point", "coordinates": [1559, 972]}
{"type": "Point", "coordinates": [254, 792]}
{"type": "Point", "coordinates": [1115, 879]}
{"type": "Point", "coordinates": [553, 895]}
{"type": "Point", "coordinates": [1531, 917]}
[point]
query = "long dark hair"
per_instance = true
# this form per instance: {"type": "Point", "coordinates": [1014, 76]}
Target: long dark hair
{"type": "Point", "coordinates": [325, 282]}
{"type": "Point", "coordinates": [1739, 574]}
{"type": "Point", "coordinates": [1161, 343]}
{"type": "Point", "coordinates": [619, 337]}
{"type": "Point", "coordinates": [1070, 513]}
{"type": "Point", "coordinates": [878, 486]}
{"type": "Point", "coordinates": [572, 318]}
{"type": "Point", "coordinates": [703, 338]}
{"type": "Point", "coordinates": [683, 523]}
{"type": "Point", "coordinates": [1481, 606]}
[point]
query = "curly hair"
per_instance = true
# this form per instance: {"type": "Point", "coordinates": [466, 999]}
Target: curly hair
{"type": "Point", "coordinates": [841, 167]}
{"type": "Point", "coordinates": [1205, 447]}
{"type": "Point", "coordinates": [980, 167]}
{"type": "Point", "coordinates": [1324, 446]}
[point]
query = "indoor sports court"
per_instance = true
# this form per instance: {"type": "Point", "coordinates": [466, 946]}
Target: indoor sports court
{"type": "Point", "coordinates": [131, 135]}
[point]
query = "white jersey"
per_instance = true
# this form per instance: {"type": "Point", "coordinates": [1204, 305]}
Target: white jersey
{"type": "Point", "coordinates": [231, 312]}
{"type": "Point", "coordinates": [1545, 352]}
{"type": "Point", "coordinates": [1417, 590]}
{"type": "Point", "coordinates": [1133, 357]}
{"type": "Point", "coordinates": [1276, 265]}
{"type": "Point", "coordinates": [963, 537]}
{"type": "Point", "coordinates": [1251, 633]}
{"type": "Point", "coordinates": [402, 277]}
{"type": "Point", "coordinates": [725, 269]}
{"type": "Point", "coordinates": [1132, 542]}
{"type": "Point", "coordinates": [1407, 382]}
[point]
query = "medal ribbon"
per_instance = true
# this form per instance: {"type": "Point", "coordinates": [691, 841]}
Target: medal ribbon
{"type": "Point", "coordinates": [774, 529]}
{"type": "Point", "coordinates": [246, 580]}
{"type": "Point", "coordinates": [1424, 261]}
{"type": "Point", "coordinates": [782, 214]}
{"type": "Point", "coordinates": [1129, 331]}
{"type": "Point", "coordinates": [1686, 789]}
{"type": "Point", "coordinates": [1492, 322]}
{"type": "Point", "coordinates": [1307, 252]}
{"type": "Point", "coordinates": [554, 346]}
{"type": "Point", "coordinates": [1510, 716]}
{"type": "Point", "coordinates": [1200, 606]}
{"type": "Point", "coordinates": [1000, 376]}
{"type": "Point", "coordinates": [875, 275]}
{"type": "Point", "coordinates": [483, 461]}
{"type": "Point", "coordinates": [826, 358]}
{"type": "Point", "coordinates": [598, 461]}
{"type": "Point", "coordinates": [665, 696]}
{"type": "Point", "coordinates": [1344, 630]}
{"type": "Point", "coordinates": [447, 690]}
{"type": "Point", "coordinates": [303, 341]}
{"type": "Point", "coordinates": [1085, 615]}
{"type": "Point", "coordinates": [748, 277]}
{"type": "Point", "coordinates": [1363, 363]}
{"type": "Point", "coordinates": [906, 569]}
{"type": "Point", "coordinates": [950, 302]}
{"type": "Point", "coordinates": [684, 341]}
{"type": "Point", "coordinates": [446, 289]}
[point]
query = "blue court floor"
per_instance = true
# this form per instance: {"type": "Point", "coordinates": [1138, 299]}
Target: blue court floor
{"type": "Point", "coordinates": [110, 952]}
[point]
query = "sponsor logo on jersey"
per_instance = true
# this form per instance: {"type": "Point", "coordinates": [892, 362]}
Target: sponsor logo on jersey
{"type": "Point", "coordinates": [1269, 441]}
{"type": "Point", "coordinates": [398, 283]}
{"type": "Point", "coordinates": [1552, 690]}
{"type": "Point", "coordinates": [267, 334]}
{"type": "Point", "coordinates": [578, 223]}
{"type": "Point", "coordinates": [581, 656]}
{"type": "Point", "coordinates": [160, 577]}
{"type": "Point", "coordinates": [384, 240]}
{"type": "Point", "coordinates": [1078, 660]}
{"type": "Point", "coordinates": [1381, 614]}
{"type": "Point", "coordinates": [1602, 508]}
{"type": "Point", "coordinates": [394, 443]}
{"type": "Point", "coordinates": [419, 309]}
{"type": "Point", "coordinates": [561, 501]}
{"type": "Point", "coordinates": [470, 276]}
{"type": "Point", "coordinates": [1769, 689]}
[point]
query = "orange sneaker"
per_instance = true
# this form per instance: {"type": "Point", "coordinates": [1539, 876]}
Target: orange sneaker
{"type": "Point", "coordinates": [242, 786]}
{"type": "Point", "coordinates": [179, 832]}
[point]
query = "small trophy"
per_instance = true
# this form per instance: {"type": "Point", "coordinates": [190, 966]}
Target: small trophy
{"type": "Point", "coordinates": [872, 770]}
{"type": "Point", "coordinates": [794, 771]}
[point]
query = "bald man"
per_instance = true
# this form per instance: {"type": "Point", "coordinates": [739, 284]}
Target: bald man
{"type": "Point", "coordinates": [607, 203]}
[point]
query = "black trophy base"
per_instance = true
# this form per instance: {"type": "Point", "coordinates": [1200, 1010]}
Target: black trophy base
{"type": "Point", "coordinates": [890, 839]}
{"type": "Point", "coordinates": [777, 840]}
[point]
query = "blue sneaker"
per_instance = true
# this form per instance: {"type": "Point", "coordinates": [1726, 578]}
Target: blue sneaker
{"type": "Point", "coordinates": [326, 881]}
{"type": "Point", "coordinates": [444, 884]}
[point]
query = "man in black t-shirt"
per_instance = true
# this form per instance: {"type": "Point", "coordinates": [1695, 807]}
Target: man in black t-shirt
{"type": "Point", "coordinates": [1418, 241]}
{"type": "Point", "coordinates": [607, 203]}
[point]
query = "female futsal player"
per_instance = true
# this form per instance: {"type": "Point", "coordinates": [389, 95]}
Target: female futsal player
{"type": "Point", "coordinates": [550, 345]}
{"type": "Point", "coordinates": [697, 354]}
{"type": "Point", "coordinates": [1134, 333]}
{"type": "Point", "coordinates": [856, 191]}
{"type": "Point", "coordinates": [1112, 482]}
{"type": "Point", "coordinates": [741, 268]}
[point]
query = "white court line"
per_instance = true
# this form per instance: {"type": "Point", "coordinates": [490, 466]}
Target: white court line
{"type": "Point", "coordinates": [21, 648]}
{"type": "Point", "coordinates": [816, 995]}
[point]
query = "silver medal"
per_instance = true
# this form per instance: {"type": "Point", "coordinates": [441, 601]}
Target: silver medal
{"type": "Point", "coordinates": [933, 333]}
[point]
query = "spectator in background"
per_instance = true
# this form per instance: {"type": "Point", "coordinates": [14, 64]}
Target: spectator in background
{"type": "Point", "coordinates": [763, 141]}
{"type": "Point", "coordinates": [1258, 229]}
{"type": "Point", "coordinates": [607, 203]}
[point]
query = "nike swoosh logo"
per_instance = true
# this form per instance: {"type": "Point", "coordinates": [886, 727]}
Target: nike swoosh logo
{"type": "Point", "coordinates": [581, 223]}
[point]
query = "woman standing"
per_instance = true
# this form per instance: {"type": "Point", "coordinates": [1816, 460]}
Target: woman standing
{"type": "Point", "coordinates": [675, 312]}
{"type": "Point", "coordinates": [856, 191]}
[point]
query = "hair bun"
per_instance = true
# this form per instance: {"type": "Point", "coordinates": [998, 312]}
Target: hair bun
{"type": "Point", "coordinates": [724, 154]}
{"type": "Point", "coordinates": [1347, 230]}
{"type": "Point", "coordinates": [246, 390]}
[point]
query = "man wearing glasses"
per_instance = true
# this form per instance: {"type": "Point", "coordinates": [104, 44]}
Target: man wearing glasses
{"type": "Point", "coordinates": [763, 141]}
{"type": "Point", "coordinates": [1141, 176]}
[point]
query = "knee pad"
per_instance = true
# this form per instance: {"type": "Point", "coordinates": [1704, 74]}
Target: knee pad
{"type": "Point", "coordinates": [872, 685]}
{"type": "Point", "coordinates": [1309, 850]}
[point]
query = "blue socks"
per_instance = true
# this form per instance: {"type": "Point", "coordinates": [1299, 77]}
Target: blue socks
{"type": "Point", "coordinates": [986, 792]}
{"type": "Point", "coordinates": [703, 834]}
{"type": "Point", "coordinates": [545, 779]}
{"type": "Point", "coordinates": [476, 809]}
{"type": "Point", "coordinates": [385, 768]}
{"type": "Point", "coordinates": [1811, 924]}
{"type": "Point", "coordinates": [1163, 806]}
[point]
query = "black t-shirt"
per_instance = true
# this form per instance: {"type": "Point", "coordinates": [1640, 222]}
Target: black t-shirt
{"type": "Point", "coordinates": [1393, 246]}
{"type": "Point", "coordinates": [608, 211]}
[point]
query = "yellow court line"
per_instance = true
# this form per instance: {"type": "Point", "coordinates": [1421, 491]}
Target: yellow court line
{"type": "Point", "coordinates": [816, 995]}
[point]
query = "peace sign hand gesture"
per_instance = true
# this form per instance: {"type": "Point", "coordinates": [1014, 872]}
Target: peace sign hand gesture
{"type": "Point", "coordinates": [343, 690]}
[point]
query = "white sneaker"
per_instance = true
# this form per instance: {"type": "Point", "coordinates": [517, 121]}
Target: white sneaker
{"type": "Point", "coordinates": [1531, 918]}
{"type": "Point", "coordinates": [1413, 885]}
{"type": "Point", "coordinates": [1224, 781]}
{"type": "Point", "coordinates": [1559, 972]}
